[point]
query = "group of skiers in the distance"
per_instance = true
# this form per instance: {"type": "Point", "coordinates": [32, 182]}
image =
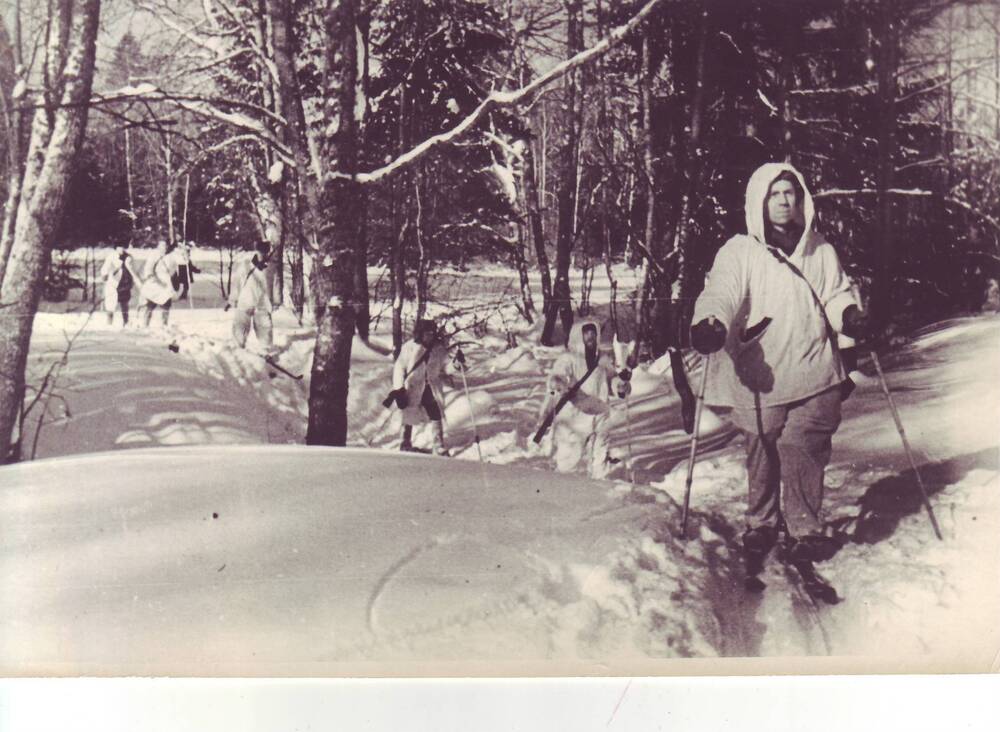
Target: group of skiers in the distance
{"type": "Point", "coordinates": [776, 310]}
{"type": "Point", "coordinates": [167, 275]}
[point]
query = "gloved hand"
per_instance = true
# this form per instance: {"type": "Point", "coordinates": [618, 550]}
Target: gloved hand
{"type": "Point", "coordinates": [622, 385]}
{"type": "Point", "coordinates": [460, 360]}
{"type": "Point", "coordinates": [708, 336]}
{"type": "Point", "coordinates": [402, 401]}
{"type": "Point", "coordinates": [857, 324]}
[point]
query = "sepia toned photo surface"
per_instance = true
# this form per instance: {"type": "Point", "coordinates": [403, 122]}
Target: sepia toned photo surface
{"type": "Point", "coordinates": [482, 338]}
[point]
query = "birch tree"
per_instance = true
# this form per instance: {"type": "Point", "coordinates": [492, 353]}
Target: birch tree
{"type": "Point", "coordinates": [57, 130]}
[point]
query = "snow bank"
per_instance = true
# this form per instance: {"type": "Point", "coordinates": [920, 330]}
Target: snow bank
{"type": "Point", "coordinates": [277, 559]}
{"type": "Point", "coordinates": [479, 406]}
{"type": "Point", "coordinates": [519, 360]}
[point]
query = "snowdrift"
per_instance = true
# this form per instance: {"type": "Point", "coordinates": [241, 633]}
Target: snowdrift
{"type": "Point", "coordinates": [298, 560]}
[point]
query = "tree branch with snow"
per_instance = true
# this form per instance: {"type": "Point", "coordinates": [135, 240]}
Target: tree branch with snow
{"type": "Point", "coordinates": [506, 99]}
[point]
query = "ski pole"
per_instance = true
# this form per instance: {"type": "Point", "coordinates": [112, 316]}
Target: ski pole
{"type": "Point", "coordinates": [460, 358]}
{"type": "Point", "coordinates": [694, 447]}
{"type": "Point", "coordinates": [906, 444]}
{"type": "Point", "coordinates": [381, 426]}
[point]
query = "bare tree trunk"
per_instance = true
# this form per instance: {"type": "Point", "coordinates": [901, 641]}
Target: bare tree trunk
{"type": "Point", "coordinates": [184, 219]}
{"type": "Point", "coordinates": [397, 276]}
{"type": "Point", "coordinates": [337, 305]}
{"type": "Point", "coordinates": [521, 263]}
{"type": "Point", "coordinates": [86, 293]}
{"type": "Point", "coordinates": [561, 303]}
{"type": "Point", "coordinates": [401, 226]}
{"type": "Point", "coordinates": [996, 71]}
{"type": "Point", "coordinates": [128, 180]}
{"type": "Point", "coordinates": [168, 158]}
{"type": "Point", "coordinates": [886, 68]}
{"type": "Point", "coordinates": [362, 296]}
{"type": "Point", "coordinates": [786, 82]}
{"type": "Point", "coordinates": [948, 123]}
{"type": "Point", "coordinates": [292, 247]}
{"type": "Point", "coordinates": [646, 284]}
{"type": "Point", "coordinates": [606, 139]}
{"type": "Point", "coordinates": [533, 209]}
{"type": "Point", "coordinates": [57, 133]}
{"type": "Point", "coordinates": [586, 283]}
{"type": "Point", "coordinates": [423, 255]}
{"type": "Point", "coordinates": [681, 298]}
{"type": "Point", "coordinates": [13, 122]}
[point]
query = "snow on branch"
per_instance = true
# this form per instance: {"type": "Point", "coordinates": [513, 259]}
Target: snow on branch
{"type": "Point", "coordinates": [930, 162]}
{"type": "Point", "coordinates": [477, 226]}
{"type": "Point", "coordinates": [855, 89]}
{"type": "Point", "coordinates": [848, 192]}
{"type": "Point", "coordinates": [201, 106]}
{"type": "Point", "coordinates": [501, 99]}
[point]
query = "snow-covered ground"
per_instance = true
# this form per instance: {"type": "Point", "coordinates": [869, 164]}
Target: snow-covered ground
{"type": "Point", "coordinates": [320, 557]}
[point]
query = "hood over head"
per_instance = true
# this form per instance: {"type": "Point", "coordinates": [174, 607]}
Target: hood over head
{"type": "Point", "coordinates": [757, 189]}
{"type": "Point", "coordinates": [575, 340]}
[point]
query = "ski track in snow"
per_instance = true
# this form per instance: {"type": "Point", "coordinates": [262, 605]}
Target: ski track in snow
{"type": "Point", "coordinates": [386, 578]}
{"type": "Point", "coordinates": [871, 495]}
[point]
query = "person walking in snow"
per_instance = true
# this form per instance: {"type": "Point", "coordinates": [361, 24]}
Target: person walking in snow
{"type": "Point", "coordinates": [416, 383]}
{"type": "Point", "coordinates": [581, 428]}
{"type": "Point", "coordinates": [250, 298]}
{"type": "Point", "coordinates": [769, 316]}
{"type": "Point", "coordinates": [158, 283]}
{"type": "Point", "coordinates": [119, 275]}
{"type": "Point", "coordinates": [185, 269]}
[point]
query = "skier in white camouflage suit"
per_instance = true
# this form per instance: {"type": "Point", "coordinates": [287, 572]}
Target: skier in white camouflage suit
{"type": "Point", "coordinates": [250, 298]}
{"type": "Point", "coordinates": [581, 429]}
{"type": "Point", "coordinates": [119, 277]}
{"type": "Point", "coordinates": [417, 383]}
{"type": "Point", "coordinates": [774, 303]}
{"type": "Point", "coordinates": [158, 289]}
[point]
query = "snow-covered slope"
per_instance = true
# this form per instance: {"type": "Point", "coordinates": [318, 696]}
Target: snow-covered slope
{"type": "Point", "coordinates": [249, 560]}
{"type": "Point", "coordinates": [366, 555]}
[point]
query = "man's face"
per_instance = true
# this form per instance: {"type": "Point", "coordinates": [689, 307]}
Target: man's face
{"type": "Point", "coordinates": [590, 338]}
{"type": "Point", "coordinates": [782, 203]}
{"type": "Point", "coordinates": [428, 337]}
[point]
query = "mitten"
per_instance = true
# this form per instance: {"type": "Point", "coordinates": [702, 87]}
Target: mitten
{"type": "Point", "coordinates": [708, 336]}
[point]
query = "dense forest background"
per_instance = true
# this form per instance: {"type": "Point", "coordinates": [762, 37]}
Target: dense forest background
{"type": "Point", "coordinates": [544, 134]}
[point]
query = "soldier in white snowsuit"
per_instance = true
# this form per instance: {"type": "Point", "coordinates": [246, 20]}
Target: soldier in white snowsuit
{"type": "Point", "coordinates": [119, 275]}
{"type": "Point", "coordinates": [581, 429]}
{"type": "Point", "coordinates": [186, 270]}
{"type": "Point", "coordinates": [158, 288]}
{"type": "Point", "coordinates": [416, 383]}
{"type": "Point", "coordinates": [774, 303]}
{"type": "Point", "coordinates": [250, 298]}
